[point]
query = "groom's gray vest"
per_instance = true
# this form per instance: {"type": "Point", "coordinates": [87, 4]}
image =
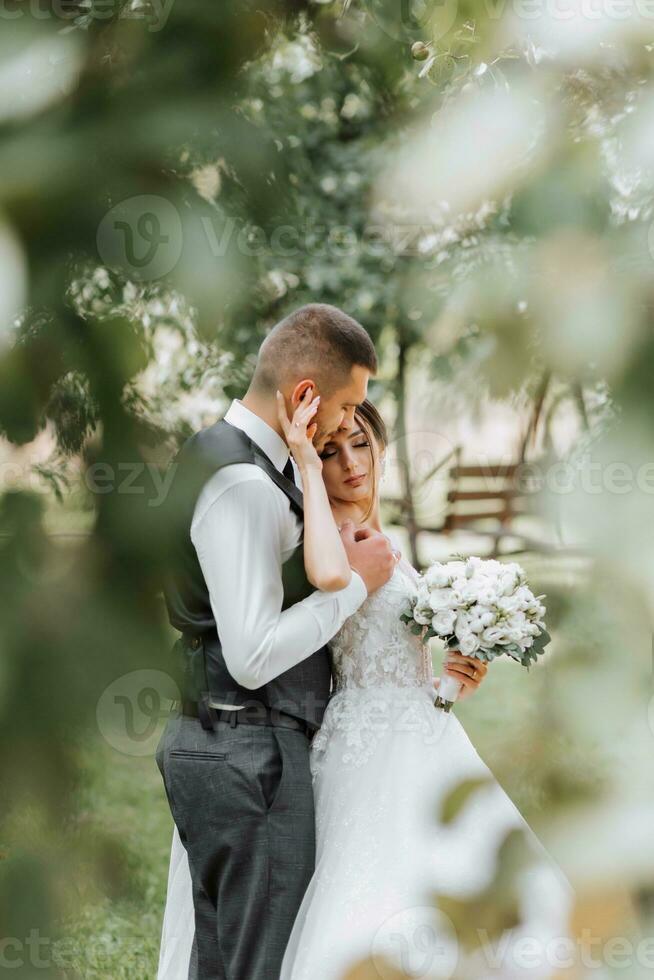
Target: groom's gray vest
{"type": "Point", "coordinates": [302, 691]}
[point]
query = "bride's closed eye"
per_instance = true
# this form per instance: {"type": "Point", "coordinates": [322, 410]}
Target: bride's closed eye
{"type": "Point", "coordinates": [328, 453]}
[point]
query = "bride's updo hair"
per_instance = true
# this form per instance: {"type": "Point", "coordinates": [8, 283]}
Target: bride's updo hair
{"type": "Point", "coordinates": [377, 434]}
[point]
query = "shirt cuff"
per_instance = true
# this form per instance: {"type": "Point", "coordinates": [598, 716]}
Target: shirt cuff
{"type": "Point", "coordinates": [355, 592]}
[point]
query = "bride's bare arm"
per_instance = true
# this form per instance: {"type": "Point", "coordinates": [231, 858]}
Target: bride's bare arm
{"type": "Point", "coordinates": [325, 558]}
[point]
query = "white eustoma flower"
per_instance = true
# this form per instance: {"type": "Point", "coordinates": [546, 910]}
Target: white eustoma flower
{"type": "Point", "coordinates": [463, 620]}
{"type": "Point", "coordinates": [437, 576]}
{"type": "Point", "coordinates": [468, 643]}
{"type": "Point", "coordinates": [422, 616]}
{"type": "Point", "coordinates": [508, 584]}
{"type": "Point", "coordinates": [509, 604]}
{"type": "Point", "coordinates": [493, 635]}
{"type": "Point", "coordinates": [443, 621]}
{"type": "Point", "coordinates": [524, 595]}
{"type": "Point", "coordinates": [468, 592]}
{"type": "Point", "coordinates": [485, 604]}
{"type": "Point", "coordinates": [476, 625]}
{"type": "Point", "coordinates": [442, 599]}
{"type": "Point", "coordinates": [515, 635]}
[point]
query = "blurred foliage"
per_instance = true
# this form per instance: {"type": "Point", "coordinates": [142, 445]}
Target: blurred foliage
{"type": "Point", "coordinates": [173, 180]}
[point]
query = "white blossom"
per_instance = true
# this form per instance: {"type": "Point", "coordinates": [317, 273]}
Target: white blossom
{"type": "Point", "coordinates": [482, 607]}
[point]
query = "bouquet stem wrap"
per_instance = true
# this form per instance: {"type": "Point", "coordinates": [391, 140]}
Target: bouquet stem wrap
{"type": "Point", "coordinates": [448, 691]}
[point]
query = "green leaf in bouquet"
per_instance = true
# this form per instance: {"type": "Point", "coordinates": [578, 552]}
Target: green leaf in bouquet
{"type": "Point", "coordinates": [540, 642]}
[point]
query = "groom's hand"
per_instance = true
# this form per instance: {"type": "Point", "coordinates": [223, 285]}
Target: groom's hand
{"type": "Point", "coordinates": [370, 554]}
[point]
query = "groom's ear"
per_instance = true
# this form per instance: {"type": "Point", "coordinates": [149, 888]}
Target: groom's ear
{"type": "Point", "coordinates": [300, 388]}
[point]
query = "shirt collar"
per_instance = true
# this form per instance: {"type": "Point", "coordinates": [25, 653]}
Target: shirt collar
{"type": "Point", "coordinates": [259, 432]}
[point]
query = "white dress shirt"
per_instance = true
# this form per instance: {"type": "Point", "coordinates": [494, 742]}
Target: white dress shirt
{"type": "Point", "coordinates": [243, 530]}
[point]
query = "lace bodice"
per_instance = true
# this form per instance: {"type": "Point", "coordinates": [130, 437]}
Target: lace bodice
{"type": "Point", "coordinates": [374, 647]}
{"type": "Point", "coordinates": [382, 677]}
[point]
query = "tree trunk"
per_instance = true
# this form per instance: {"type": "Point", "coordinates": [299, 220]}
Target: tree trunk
{"type": "Point", "coordinates": [408, 509]}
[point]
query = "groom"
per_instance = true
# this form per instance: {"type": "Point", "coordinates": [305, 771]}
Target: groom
{"type": "Point", "coordinates": [253, 650]}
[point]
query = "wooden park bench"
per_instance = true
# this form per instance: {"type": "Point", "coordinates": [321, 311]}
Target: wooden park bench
{"type": "Point", "coordinates": [488, 492]}
{"type": "Point", "coordinates": [491, 498]}
{"type": "Point", "coordinates": [486, 499]}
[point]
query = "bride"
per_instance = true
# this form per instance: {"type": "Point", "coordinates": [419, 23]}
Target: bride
{"type": "Point", "coordinates": [382, 764]}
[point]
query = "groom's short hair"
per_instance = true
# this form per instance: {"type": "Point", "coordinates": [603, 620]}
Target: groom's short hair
{"type": "Point", "coordinates": [316, 341]}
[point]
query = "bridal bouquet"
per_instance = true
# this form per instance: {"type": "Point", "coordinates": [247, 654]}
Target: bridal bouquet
{"type": "Point", "coordinates": [482, 607]}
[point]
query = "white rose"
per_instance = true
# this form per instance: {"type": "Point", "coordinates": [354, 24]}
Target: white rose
{"type": "Point", "coordinates": [510, 604]}
{"type": "Point", "coordinates": [493, 635]}
{"type": "Point", "coordinates": [524, 595]}
{"type": "Point", "coordinates": [517, 619]}
{"type": "Point", "coordinates": [476, 625]}
{"type": "Point", "coordinates": [508, 583]}
{"type": "Point", "coordinates": [423, 594]}
{"type": "Point", "coordinates": [474, 567]}
{"type": "Point", "coordinates": [514, 635]}
{"type": "Point", "coordinates": [469, 592]}
{"type": "Point", "coordinates": [468, 643]}
{"type": "Point", "coordinates": [442, 599]}
{"type": "Point", "coordinates": [437, 576]}
{"type": "Point", "coordinates": [443, 621]}
{"type": "Point", "coordinates": [422, 616]}
{"type": "Point", "coordinates": [463, 620]}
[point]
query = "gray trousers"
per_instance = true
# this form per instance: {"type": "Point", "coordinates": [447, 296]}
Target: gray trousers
{"type": "Point", "coordinates": [243, 804]}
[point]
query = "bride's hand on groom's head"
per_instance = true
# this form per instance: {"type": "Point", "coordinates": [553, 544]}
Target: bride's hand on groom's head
{"type": "Point", "coordinates": [300, 430]}
{"type": "Point", "coordinates": [369, 553]}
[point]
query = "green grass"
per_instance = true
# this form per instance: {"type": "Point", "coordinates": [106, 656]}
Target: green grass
{"type": "Point", "coordinates": [115, 933]}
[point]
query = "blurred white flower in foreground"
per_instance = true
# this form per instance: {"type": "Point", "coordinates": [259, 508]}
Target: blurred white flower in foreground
{"type": "Point", "coordinates": [35, 72]}
{"type": "Point", "coordinates": [477, 147]}
{"type": "Point", "coordinates": [586, 312]}
{"type": "Point", "coordinates": [576, 31]}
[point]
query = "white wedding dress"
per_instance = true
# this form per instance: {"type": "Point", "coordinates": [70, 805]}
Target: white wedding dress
{"type": "Point", "coordinates": [382, 762]}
